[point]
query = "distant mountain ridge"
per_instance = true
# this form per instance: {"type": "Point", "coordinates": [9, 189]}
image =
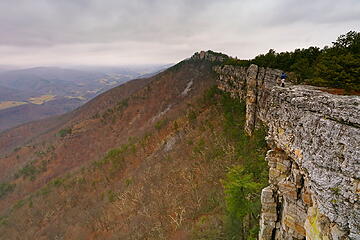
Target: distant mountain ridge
{"type": "Point", "coordinates": [24, 92]}
{"type": "Point", "coordinates": [11, 94]}
{"type": "Point", "coordinates": [47, 79]}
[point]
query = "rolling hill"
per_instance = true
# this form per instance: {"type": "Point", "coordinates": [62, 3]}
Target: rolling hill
{"type": "Point", "coordinates": [36, 93]}
{"type": "Point", "coordinates": [141, 161]}
{"type": "Point", "coordinates": [178, 156]}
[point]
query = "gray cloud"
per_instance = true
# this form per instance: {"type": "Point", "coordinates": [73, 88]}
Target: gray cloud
{"type": "Point", "coordinates": [149, 31]}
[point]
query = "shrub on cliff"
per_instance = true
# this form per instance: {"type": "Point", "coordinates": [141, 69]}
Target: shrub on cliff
{"type": "Point", "coordinates": [64, 132]}
{"type": "Point", "coordinates": [28, 171]}
{"type": "Point", "coordinates": [244, 181]}
{"type": "Point", "coordinates": [242, 192]}
{"type": "Point", "coordinates": [161, 123]}
{"type": "Point", "coordinates": [6, 188]}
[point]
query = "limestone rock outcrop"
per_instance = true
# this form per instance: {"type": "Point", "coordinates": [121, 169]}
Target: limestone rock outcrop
{"type": "Point", "coordinates": [209, 56]}
{"type": "Point", "coordinates": [314, 161]}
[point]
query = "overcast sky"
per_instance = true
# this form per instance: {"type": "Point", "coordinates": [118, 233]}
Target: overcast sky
{"type": "Point", "coordinates": [113, 32]}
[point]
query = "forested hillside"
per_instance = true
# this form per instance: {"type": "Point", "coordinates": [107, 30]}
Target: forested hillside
{"type": "Point", "coordinates": [170, 161]}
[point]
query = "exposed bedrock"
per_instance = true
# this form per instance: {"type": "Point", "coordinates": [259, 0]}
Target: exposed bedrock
{"type": "Point", "coordinates": [314, 161]}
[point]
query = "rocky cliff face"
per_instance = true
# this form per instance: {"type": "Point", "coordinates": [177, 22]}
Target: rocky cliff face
{"type": "Point", "coordinates": [314, 161]}
{"type": "Point", "coordinates": [209, 56]}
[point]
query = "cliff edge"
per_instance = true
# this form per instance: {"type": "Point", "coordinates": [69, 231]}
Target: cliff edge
{"type": "Point", "coordinates": [314, 159]}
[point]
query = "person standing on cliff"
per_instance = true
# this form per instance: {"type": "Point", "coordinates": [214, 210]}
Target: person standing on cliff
{"type": "Point", "coordinates": [283, 77]}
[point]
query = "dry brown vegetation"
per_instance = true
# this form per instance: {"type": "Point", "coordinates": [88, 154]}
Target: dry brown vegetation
{"type": "Point", "coordinates": [163, 185]}
{"type": "Point", "coordinates": [109, 171]}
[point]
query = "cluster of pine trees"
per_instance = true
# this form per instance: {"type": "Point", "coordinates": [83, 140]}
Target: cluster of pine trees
{"type": "Point", "coordinates": [337, 66]}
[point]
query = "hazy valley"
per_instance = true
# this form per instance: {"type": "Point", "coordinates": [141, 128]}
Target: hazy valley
{"type": "Point", "coordinates": [32, 94]}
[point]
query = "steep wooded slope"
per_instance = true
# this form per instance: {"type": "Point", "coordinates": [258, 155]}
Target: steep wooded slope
{"type": "Point", "coordinates": [160, 161]}
{"type": "Point", "coordinates": [56, 146]}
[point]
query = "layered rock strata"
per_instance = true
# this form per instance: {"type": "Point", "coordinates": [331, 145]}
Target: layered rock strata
{"type": "Point", "coordinates": [314, 161]}
{"type": "Point", "coordinates": [209, 56]}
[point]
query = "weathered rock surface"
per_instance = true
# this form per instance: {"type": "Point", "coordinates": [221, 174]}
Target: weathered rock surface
{"type": "Point", "coordinates": [232, 79]}
{"type": "Point", "coordinates": [209, 56]}
{"type": "Point", "coordinates": [314, 159]}
{"type": "Point", "coordinates": [251, 98]}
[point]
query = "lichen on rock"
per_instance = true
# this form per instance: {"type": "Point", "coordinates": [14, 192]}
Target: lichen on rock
{"type": "Point", "coordinates": [314, 161]}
